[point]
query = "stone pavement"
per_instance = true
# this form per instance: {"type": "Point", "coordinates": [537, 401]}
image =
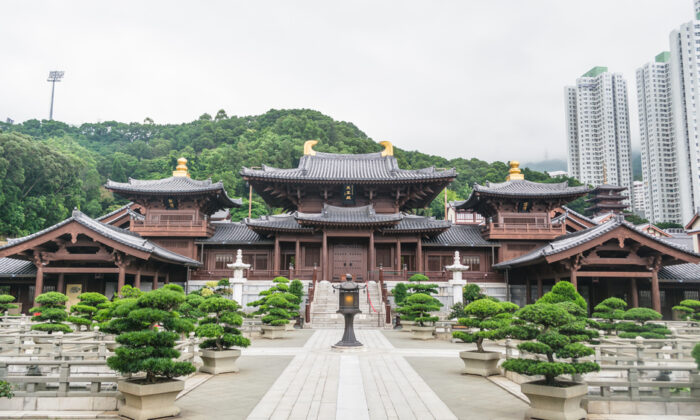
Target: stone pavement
{"type": "Point", "coordinates": [381, 382]}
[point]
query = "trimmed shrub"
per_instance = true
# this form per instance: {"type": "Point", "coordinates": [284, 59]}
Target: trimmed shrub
{"type": "Point", "coordinates": [276, 304]}
{"type": "Point", "coordinates": [148, 328]}
{"type": "Point", "coordinates": [696, 354]}
{"type": "Point", "coordinates": [491, 319]}
{"type": "Point", "coordinates": [84, 312]}
{"type": "Point", "coordinates": [6, 390]}
{"type": "Point", "coordinates": [296, 287]}
{"type": "Point", "coordinates": [640, 327]}
{"type": "Point", "coordinates": [563, 292]}
{"type": "Point", "coordinates": [219, 324]}
{"type": "Point", "coordinates": [472, 292]}
{"type": "Point", "coordinates": [6, 303]}
{"type": "Point", "coordinates": [688, 308]}
{"type": "Point", "coordinates": [400, 291]}
{"type": "Point", "coordinates": [418, 306]}
{"type": "Point", "coordinates": [189, 309]}
{"type": "Point", "coordinates": [52, 312]}
{"type": "Point", "coordinates": [130, 292]}
{"type": "Point", "coordinates": [610, 310]}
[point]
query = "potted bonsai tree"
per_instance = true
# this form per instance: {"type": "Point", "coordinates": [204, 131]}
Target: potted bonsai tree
{"type": "Point", "coordinates": [687, 310]}
{"type": "Point", "coordinates": [418, 305]}
{"type": "Point", "coordinates": [6, 303]}
{"type": "Point", "coordinates": [491, 320]}
{"type": "Point", "coordinates": [640, 326]}
{"type": "Point", "coordinates": [52, 312]}
{"type": "Point", "coordinates": [148, 329]}
{"type": "Point", "coordinates": [296, 287]}
{"type": "Point", "coordinates": [219, 326]}
{"type": "Point", "coordinates": [189, 309]}
{"type": "Point", "coordinates": [277, 307]}
{"type": "Point", "coordinates": [611, 310]}
{"type": "Point", "coordinates": [557, 332]}
{"type": "Point", "coordinates": [84, 312]}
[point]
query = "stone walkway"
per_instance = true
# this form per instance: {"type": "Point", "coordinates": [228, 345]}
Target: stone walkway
{"type": "Point", "coordinates": [318, 383]}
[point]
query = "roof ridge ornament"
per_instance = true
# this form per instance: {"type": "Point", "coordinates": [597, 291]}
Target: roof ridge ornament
{"type": "Point", "coordinates": [309, 147]}
{"type": "Point", "coordinates": [514, 174]}
{"type": "Point", "coordinates": [181, 168]}
{"type": "Point", "coordinates": [388, 148]}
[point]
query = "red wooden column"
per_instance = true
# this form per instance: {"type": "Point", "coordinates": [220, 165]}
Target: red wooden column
{"type": "Point", "coordinates": [155, 281]}
{"type": "Point", "coordinates": [297, 257]}
{"type": "Point", "coordinates": [121, 280]}
{"type": "Point", "coordinates": [372, 261]}
{"type": "Point", "coordinates": [574, 279]}
{"type": "Point", "coordinates": [398, 254]}
{"type": "Point", "coordinates": [634, 295]}
{"type": "Point", "coordinates": [528, 291]}
{"type": "Point", "coordinates": [419, 254]}
{"type": "Point", "coordinates": [539, 287]}
{"type": "Point", "coordinates": [167, 277]}
{"type": "Point", "coordinates": [276, 257]}
{"type": "Point", "coordinates": [39, 281]}
{"type": "Point", "coordinates": [137, 279]}
{"type": "Point", "coordinates": [61, 282]}
{"type": "Point", "coordinates": [655, 293]}
{"type": "Point", "coordinates": [324, 256]}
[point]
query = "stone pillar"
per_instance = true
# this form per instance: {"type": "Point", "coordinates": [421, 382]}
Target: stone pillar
{"type": "Point", "coordinates": [238, 280]}
{"type": "Point", "coordinates": [457, 283]}
{"type": "Point", "coordinates": [61, 283]}
{"type": "Point", "coordinates": [634, 294]}
{"type": "Point", "coordinates": [655, 292]}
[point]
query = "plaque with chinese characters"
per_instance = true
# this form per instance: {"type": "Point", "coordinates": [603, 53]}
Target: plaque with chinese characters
{"type": "Point", "coordinates": [348, 194]}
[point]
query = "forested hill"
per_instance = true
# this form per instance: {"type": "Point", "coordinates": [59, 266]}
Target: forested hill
{"type": "Point", "coordinates": [49, 167]}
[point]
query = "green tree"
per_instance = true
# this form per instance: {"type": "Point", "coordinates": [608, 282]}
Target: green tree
{"type": "Point", "coordinates": [220, 324]}
{"type": "Point", "coordinates": [688, 308]}
{"type": "Point", "coordinates": [276, 304]}
{"type": "Point", "coordinates": [640, 327]}
{"type": "Point", "coordinates": [83, 313]}
{"type": "Point", "coordinates": [610, 310]}
{"type": "Point", "coordinates": [400, 292]}
{"type": "Point", "coordinates": [6, 303]}
{"type": "Point", "coordinates": [51, 312]}
{"type": "Point", "coordinates": [490, 319]}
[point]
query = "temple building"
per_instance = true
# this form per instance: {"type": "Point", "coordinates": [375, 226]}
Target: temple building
{"type": "Point", "coordinates": [357, 214]}
{"type": "Point", "coordinates": [607, 198]}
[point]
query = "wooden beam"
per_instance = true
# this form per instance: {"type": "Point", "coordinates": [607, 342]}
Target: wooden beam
{"type": "Point", "coordinates": [626, 274]}
{"type": "Point", "coordinates": [82, 270]}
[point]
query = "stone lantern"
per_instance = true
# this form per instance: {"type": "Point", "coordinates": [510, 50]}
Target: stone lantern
{"type": "Point", "coordinates": [457, 283]}
{"type": "Point", "coordinates": [349, 306]}
{"type": "Point", "coordinates": [238, 280]}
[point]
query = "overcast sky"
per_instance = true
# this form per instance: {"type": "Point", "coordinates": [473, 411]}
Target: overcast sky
{"type": "Point", "coordinates": [456, 78]}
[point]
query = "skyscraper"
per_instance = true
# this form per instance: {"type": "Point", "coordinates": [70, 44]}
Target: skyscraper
{"type": "Point", "coordinates": [597, 121]}
{"type": "Point", "coordinates": [685, 85]}
{"type": "Point", "coordinates": [661, 201]}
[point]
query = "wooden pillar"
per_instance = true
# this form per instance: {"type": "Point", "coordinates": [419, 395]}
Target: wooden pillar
{"type": "Point", "coordinates": [539, 287]}
{"type": "Point", "coordinates": [276, 257]}
{"type": "Point", "coordinates": [372, 260]}
{"type": "Point", "coordinates": [634, 294]}
{"type": "Point", "coordinates": [155, 281]}
{"type": "Point", "coordinates": [121, 279]}
{"type": "Point", "coordinates": [574, 279]}
{"type": "Point", "coordinates": [39, 281]}
{"type": "Point", "coordinates": [398, 254]}
{"type": "Point", "coordinates": [297, 257]}
{"type": "Point", "coordinates": [137, 279]}
{"type": "Point", "coordinates": [167, 277]}
{"type": "Point", "coordinates": [528, 291]}
{"type": "Point", "coordinates": [61, 282]}
{"type": "Point", "coordinates": [655, 292]}
{"type": "Point", "coordinates": [324, 257]}
{"type": "Point", "coordinates": [419, 254]}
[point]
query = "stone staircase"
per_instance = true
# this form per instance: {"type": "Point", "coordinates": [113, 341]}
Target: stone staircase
{"type": "Point", "coordinates": [325, 305]}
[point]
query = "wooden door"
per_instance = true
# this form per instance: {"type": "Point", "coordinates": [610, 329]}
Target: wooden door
{"type": "Point", "coordinates": [349, 258]}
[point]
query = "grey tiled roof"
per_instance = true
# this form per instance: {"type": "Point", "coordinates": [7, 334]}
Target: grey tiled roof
{"type": "Point", "coordinates": [526, 188]}
{"type": "Point", "coordinates": [114, 233]}
{"type": "Point", "coordinates": [575, 239]}
{"type": "Point", "coordinates": [599, 218]}
{"type": "Point", "coordinates": [226, 233]}
{"type": "Point", "coordinates": [413, 223]}
{"type": "Point", "coordinates": [10, 267]}
{"type": "Point", "coordinates": [579, 215]}
{"type": "Point", "coordinates": [680, 273]}
{"type": "Point", "coordinates": [175, 185]}
{"type": "Point", "coordinates": [281, 222]}
{"type": "Point", "coordinates": [460, 235]}
{"type": "Point", "coordinates": [348, 167]}
{"type": "Point", "coordinates": [113, 212]}
{"type": "Point", "coordinates": [681, 239]}
{"type": "Point", "coordinates": [348, 216]}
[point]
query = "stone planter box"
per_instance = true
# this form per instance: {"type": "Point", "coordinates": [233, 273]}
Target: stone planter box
{"type": "Point", "coordinates": [555, 403]}
{"type": "Point", "coordinates": [482, 364]}
{"type": "Point", "coordinates": [289, 326]}
{"type": "Point", "coordinates": [407, 326]}
{"type": "Point", "coordinates": [215, 362]}
{"type": "Point", "coordinates": [422, 333]}
{"type": "Point", "coordinates": [274, 331]}
{"type": "Point", "coordinates": [150, 401]}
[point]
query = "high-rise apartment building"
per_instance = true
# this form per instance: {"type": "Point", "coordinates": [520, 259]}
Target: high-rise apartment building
{"type": "Point", "coordinates": [685, 86]}
{"type": "Point", "coordinates": [660, 200]}
{"type": "Point", "coordinates": [639, 193]}
{"type": "Point", "coordinates": [598, 134]}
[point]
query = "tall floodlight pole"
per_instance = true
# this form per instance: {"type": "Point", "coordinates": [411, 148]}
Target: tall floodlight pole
{"type": "Point", "coordinates": [54, 76]}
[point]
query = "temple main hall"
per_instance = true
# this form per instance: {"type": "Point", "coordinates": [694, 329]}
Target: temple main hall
{"type": "Point", "coordinates": [356, 214]}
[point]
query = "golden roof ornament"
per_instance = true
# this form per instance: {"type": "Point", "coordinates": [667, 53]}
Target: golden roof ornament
{"type": "Point", "coordinates": [309, 147]}
{"type": "Point", "coordinates": [181, 168]}
{"type": "Point", "coordinates": [514, 173]}
{"type": "Point", "coordinates": [388, 148]}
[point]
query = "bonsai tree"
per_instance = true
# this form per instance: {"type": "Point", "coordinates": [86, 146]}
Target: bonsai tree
{"type": "Point", "coordinates": [640, 326]}
{"type": "Point", "coordinates": [84, 312]}
{"type": "Point", "coordinates": [146, 347]}
{"type": "Point", "coordinates": [6, 303]}
{"type": "Point", "coordinates": [689, 309]}
{"type": "Point", "coordinates": [556, 333]}
{"type": "Point", "coordinates": [219, 324]}
{"type": "Point", "coordinates": [564, 292]}
{"type": "Point", "coordinates": [296, 287]}
{"type": "Point", "coordinates": [610, 310]}
{"type": "Point", "coordinates": [220, 287]}
{"type": "Point", "coordinates": [491, 319]}
{"type": "Point", "coordinates": [129, 291]}
{"type": "Point", "coordinates": [457, 311]}
{"type": "Point", "coordinates": [276, 304]}
{"type": "Point", "coordinates": [418, 307]}
{"type": "Point", "coordinates": [400, 292]}
{"type": "Point", "coordinates": [52, 313]}
{"type": "Point", "coordinates": [472, 292]}
{"type": "Point", "coordinates": [189, 309]}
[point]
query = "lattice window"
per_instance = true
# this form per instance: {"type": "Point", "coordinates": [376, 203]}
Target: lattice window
{"type": "Point", "coordinates": [312, 256]}
{"type": "Point", "coordinates": [221, 260]}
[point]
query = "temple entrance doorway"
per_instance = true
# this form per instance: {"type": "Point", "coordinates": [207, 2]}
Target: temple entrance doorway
{"type": "Point", "coordinates": [349, 257]}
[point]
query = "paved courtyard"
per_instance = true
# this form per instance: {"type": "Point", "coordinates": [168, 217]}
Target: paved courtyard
{"type": "Point", "coordinates": [393, 378]}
